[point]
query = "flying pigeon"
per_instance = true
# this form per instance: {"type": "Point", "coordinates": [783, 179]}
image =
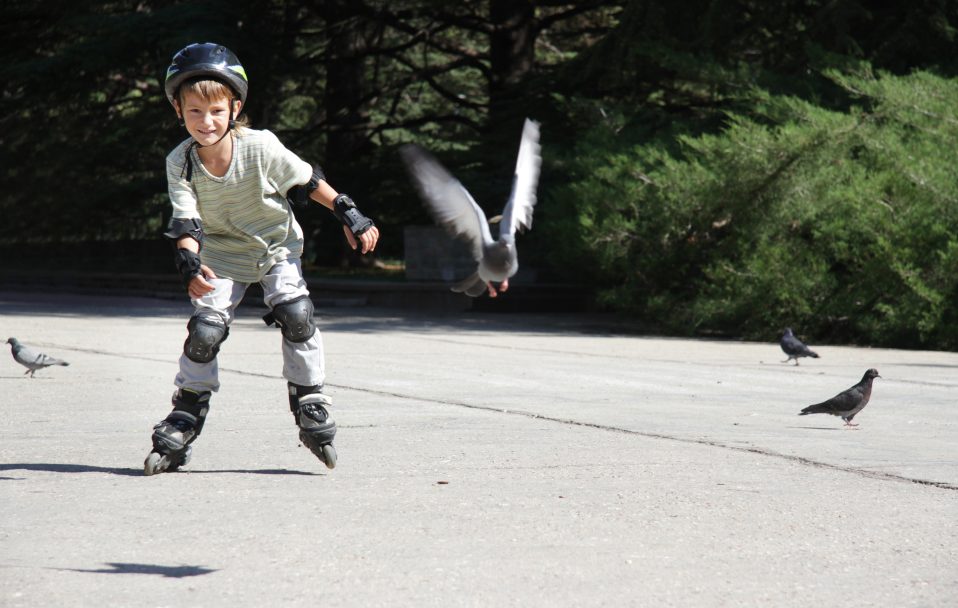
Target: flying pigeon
{"type": "Point", "coordinates": [454, 209]}
{"type": "Point", "coordinates": [794, 347]}
{"type": "Point", "coordinates": [846, 403]}
{"type": "Point", "coordinates": [30, 359]}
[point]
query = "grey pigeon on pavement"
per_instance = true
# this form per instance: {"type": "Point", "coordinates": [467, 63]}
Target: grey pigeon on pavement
{"type": "Point", "coordinates": [846, 403]}
{"type": "Point", "coordinates": [454, 209]}
{"type": "Point", "coordinates": [794, 347]}
{"type": "Point", "coordinates": [31, 359]}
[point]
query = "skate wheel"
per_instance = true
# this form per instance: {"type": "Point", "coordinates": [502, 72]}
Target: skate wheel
{"type": "Point", "coordinates": [329, 456]}
{"type": "Point", "coordinates": [153, 464]}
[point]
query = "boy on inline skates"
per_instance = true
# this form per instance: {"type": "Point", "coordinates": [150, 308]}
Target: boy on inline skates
{"type": "Point", "coordinates": [232, 190]}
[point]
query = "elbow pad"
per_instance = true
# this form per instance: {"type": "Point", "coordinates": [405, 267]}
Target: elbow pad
{"type": "Point", "coordinates": [345, 210]}
{"type": "Point", "coordinates": [178, 228]}
{"type": "Point", "coordinates": [298, 196]}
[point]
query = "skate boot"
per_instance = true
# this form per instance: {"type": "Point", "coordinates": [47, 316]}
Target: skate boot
{"type": "Point", "coordinates": [173, 435]}
{"type": "Point", "coordinates": [316, 429]}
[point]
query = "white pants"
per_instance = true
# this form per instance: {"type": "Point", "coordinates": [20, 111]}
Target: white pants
{"type": "Point", "coordinates": [303, 362]}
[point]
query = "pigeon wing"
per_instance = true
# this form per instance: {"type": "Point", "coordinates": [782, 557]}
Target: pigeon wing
{"type": "Point", "coordinates": [450, 205]}
{"type": "Point", "coordinates": [36, 360]}
{"type": "Point", "coordinates": [844, 401]}
{"type": "Point", "coordinates": [793, 346]}
{"type": "Point", "coordinates": [517, 214]}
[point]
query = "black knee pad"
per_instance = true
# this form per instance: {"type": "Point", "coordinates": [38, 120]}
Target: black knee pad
{"type": "Point", "coordinates": [294, 318]}
{"type": "Point", "coordinates": [204, 339]}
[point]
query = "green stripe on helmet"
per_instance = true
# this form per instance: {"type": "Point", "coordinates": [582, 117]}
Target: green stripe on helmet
{"type": "Point", "coordinates": [239, 70]}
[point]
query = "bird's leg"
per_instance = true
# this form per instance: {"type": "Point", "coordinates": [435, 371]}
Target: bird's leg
{"type": "Point", "coordinates": [29, 371]}
{"type": "Point", "coordinates": [503, 287]}
{"type": "Point", "coordinates": [849, 423]}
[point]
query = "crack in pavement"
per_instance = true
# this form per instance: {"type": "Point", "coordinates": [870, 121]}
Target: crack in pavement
{"type": "Point", "coordinates": [706, 442]}
{"type": "Point", "coordinates": [572, 422]}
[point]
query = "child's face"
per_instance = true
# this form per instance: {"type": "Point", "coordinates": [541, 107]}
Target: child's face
{"type": "Point", "coordinates": [206, 121]}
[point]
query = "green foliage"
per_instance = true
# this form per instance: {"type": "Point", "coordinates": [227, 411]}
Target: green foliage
{"type": "Point", "coordinates": [842, 223]}
{"type": "Point", "coordinates": [84, 122]}
{"type": "Point", "coordinates": [713, 165]}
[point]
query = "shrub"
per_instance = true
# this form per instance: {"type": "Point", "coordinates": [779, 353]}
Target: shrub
{"type": "Point", "coordinates": [839, 222]}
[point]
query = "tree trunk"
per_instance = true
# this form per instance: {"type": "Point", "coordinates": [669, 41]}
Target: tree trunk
{"type": "Point", "coordinates": [512, 56]}
{"type": "Point", "coordinates": [346, 116]}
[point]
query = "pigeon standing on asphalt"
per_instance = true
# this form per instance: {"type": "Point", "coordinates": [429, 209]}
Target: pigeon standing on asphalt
{"type": "Point", "coordinates": [454, 209]}
{"type": "Point", "coordinates": [794, 347]}
{"type": "Point", "coordinates": [30, 359]}
{"type": "Point", "coordinates": [846, 403]}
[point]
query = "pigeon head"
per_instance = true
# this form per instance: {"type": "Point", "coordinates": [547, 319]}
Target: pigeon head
{"type": "Point", "coordinates": [871, 374]}
{"type": "Point", "coordinates": [11, 340]}
{"type": "Point", "coordinates": [788, 331]}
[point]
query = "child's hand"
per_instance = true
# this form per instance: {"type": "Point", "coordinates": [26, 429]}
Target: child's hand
{"type": "Point", "coordinates": [367, 240]}
{"type": "Point", "coordinates": [199, 286]}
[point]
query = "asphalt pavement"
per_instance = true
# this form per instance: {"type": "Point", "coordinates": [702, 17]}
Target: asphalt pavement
{"type": "Point", "coordinates": [484, 460]}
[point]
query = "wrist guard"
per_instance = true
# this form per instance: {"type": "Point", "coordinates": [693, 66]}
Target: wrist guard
{"type": "Point", "coordinates": [188, 264]}
{"type": "Point", "coordinates": [178, 228]}
{"type": "Point", "coordinates": [345, 210]}
{"type": "Point", "coordinates": [298, 196]}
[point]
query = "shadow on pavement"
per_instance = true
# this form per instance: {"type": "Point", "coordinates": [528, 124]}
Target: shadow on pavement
{"type": "Point", "coordinates": [68, 468]}
{"type": "Point", "coordinates": [167, 571]}
{"type": "Point", "coordinates": [367, 320]}
{"type": "Point", "coordinates": [138, 472]}
{"type": "Point", "coordinates": [254, 472]}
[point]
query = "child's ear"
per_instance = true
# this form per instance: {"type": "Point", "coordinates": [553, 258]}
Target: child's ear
{"type": "Point", "coordinates": [179, 114]}
{"type": "Point", "coordinates": [237, 107]}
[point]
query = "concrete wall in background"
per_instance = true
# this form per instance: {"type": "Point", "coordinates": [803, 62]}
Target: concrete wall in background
{"type": "Point", "coordinates": [432, 255]}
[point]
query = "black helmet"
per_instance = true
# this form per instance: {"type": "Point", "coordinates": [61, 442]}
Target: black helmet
{"type": "Point", "coordinates": [206, 59]}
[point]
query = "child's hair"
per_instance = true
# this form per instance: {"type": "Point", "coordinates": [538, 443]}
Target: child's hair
{"type": "Point", "coordinates": [211, 90]}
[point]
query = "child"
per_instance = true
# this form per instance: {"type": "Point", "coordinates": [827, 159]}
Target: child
{"type": "Point", "coordinates": [232, 189]}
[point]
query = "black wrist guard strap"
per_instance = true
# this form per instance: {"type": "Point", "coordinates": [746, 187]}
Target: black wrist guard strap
{"type": "Point", "coordinates": [298, 196]}
{"type": "Point", "coordinates": [188, 263]}
{"type": "Point", "coordinates": [345, 210]}
{"type": "Point", "coordinates": [178, 228]}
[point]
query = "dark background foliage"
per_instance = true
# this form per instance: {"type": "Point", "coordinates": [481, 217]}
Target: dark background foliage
{"type": "Point", "coordinates": [710, 165]}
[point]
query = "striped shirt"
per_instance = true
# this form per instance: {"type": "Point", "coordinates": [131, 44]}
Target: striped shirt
{"type": "Point", "coordinates": [248, 223]}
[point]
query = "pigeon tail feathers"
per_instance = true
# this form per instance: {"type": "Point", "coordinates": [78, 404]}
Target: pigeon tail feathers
{"type": "Point", "coordinates": [818, 408]}
{"type": "Point", "coordinates": [472, 286]}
